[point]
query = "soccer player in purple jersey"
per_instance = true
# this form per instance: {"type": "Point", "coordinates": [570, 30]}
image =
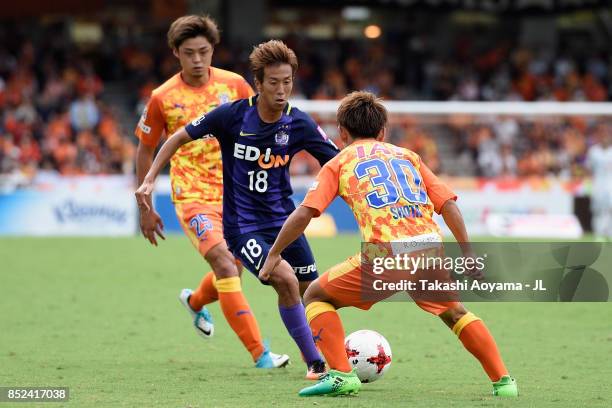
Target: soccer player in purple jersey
{"type": "Point", "coordinates": [258, 138]}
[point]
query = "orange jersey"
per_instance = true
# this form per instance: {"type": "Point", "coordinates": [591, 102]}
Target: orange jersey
{"type": "Point", "coordinates": [196, 172]}
{"type": "Point", "coordinates": [391, 192]}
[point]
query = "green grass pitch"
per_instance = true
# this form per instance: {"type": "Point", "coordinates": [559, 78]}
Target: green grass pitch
{"type": "Point", "coordinates": [101, 316]}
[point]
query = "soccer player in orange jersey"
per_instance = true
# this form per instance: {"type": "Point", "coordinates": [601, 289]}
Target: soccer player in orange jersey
{"type": "Point", "coordinates": [197, 190]}
{"type": "Point", "coordinates": [373, 178]}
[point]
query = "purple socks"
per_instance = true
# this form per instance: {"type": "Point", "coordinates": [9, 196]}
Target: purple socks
{"type": "Point", "coordinates": [295, 321]}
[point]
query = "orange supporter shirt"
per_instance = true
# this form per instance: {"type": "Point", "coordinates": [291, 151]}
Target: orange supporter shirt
{"type": "Point", "coordinates": [391, 192]}
{"type": "Point", "coordinates": [196, 172]}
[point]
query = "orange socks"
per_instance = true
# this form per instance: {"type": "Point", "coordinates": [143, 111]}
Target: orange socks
{"type": "Point", "coordinates": [328, 334]}
{"type": "Point", "coordinates": [234, 306]}
{"type": "Point", "coordinates": [477, 339]}
{"type": "Point", "coordinates": [205, 293]}
{"type": "Point", "coordinates": [239, 316]}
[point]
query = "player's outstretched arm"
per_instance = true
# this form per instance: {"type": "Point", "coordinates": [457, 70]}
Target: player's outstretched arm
{"type": "Point", "coordinates": [454, 220]}
{"type": "Point", "coordinates": [291, 230]}
{"type": "Point", "coordinates": [143, 193]}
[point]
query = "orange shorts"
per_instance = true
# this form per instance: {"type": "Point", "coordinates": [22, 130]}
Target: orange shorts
{"type": "Point", "coordinates": [202, 224]}
{"type": "Point", "coordinates": [343, 283]}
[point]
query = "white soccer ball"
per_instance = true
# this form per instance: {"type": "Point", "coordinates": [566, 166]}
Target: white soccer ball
{"type": "Point", "coordinates": [369, 353]}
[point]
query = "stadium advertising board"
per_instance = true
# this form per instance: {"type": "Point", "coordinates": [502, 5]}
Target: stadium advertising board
{"type": "Point", "coordinates": [83, 205]}
{"type": "Point", "coordinates": [487, 206]}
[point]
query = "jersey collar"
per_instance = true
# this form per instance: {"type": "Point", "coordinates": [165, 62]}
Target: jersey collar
{"type": "Point", "coordinates": [201, 88]}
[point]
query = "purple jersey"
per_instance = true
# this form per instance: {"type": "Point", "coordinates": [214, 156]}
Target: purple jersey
{"type": "Point", "coordinates": [256, 156]}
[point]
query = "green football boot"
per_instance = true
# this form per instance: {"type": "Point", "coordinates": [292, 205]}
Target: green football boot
{"type": "Point", "coordinates": [505, 387]}
{"type": "Point", "coordinates": [334, 383]}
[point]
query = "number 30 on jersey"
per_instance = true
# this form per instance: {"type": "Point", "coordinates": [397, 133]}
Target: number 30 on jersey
{"type": "Point", "coordinates": [387, 188]}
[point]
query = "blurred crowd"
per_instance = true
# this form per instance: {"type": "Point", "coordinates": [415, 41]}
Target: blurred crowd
{"type": "Point", "coordinates": [491, 146]}
{"type": "Point", "coordinates": [328, 71]}
{"type": "Point", "coordinates": [501, 71]}
{"type": "Point", "coordinates": [510, 146]}
{"type": "Point", "coordinates": [53, 115]}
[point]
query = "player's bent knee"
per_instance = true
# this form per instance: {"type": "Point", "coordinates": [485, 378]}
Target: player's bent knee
{"type": "Point", "coordinates": [308, 296]}
{"type": "Point", "coordinates": [314, 293]}
{"type": "Point", "coordinates": [222, 262]}
{"type": "Point", "coordinates": [453, 315]}
{"type": "Point", "coordinates": [283, 283]}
